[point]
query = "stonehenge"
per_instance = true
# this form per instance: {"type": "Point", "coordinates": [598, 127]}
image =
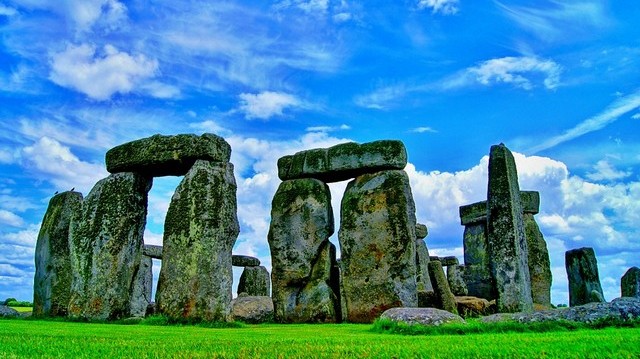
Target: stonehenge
{"type": "Point", "coordinates": [92, 262]}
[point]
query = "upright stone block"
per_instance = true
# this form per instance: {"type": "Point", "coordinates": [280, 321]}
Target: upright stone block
{"type": "Point", "coordinates": [630, 283]}
{"type": "Point", "coordinates": [255, 282]}
{"type": "Point", "coordinates": [423, 280]}
{"type": "Point", "coordinates": [584, 280]}
{"type": "Point", "coordinates": [52, 281]}
{"type": "Point", "coordinates": [377, 241]}
{"type": "Point", "coordinates": [305, 277]}
{"type": "Point", "coordinates": [443, 294]}
{"type": "Point", "coordinates": [507, 243]}
{"type": "Point", "coordinates": [477, 272]}
{"type": "Point", "coordinates": [142, 287]}
{"type": "Point", "coordinates": [456, 281]}
{"type": "Point", "coordinates": [539, 263]}
{"type": "Point", "coordinates": [200, 230]}
{"type": "Point", "coordinates": [106, 246]}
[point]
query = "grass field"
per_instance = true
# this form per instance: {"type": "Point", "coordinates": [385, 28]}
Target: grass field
{"type": "Point", "coordinates": [48, 339]}
{"type": "Point", "coordinates": [23, 309]}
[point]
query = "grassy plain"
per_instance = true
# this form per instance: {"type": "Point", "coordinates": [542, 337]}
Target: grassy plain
{"type": "Point", "coordinates": [23, 309]}
{"type": "Point", "coordinates": [50, 339]}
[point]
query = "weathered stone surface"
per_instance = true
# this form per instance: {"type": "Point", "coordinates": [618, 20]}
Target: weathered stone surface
{"type": "Point", "coordinates": [160, 155]}
{"type": "Point", "coordinates": [456, 280]}
{"type": "Point", "coordinates": [377, 241]}
{"type": "Point", "coordinates": [539, 263]}
{"type": "Point", "coordinates": [582, 272]}
{"type": "Point", "coordinates": [343, 161]}
{"type": "Point", "coordinates": [305, 275]}
{"type": "Point", "coordinates": [255, 281]}
{"type": "Point", "coordinates": [445, 298]}
{"type": "Point", "coordinates": [473, 306]}
{"type": "Point", "coordinates": [473, 213]}
{"type": "Point", "coordinates": [428, 299]}
{"type": "Point", "coordinates": [507, 242]}
{"type": "Point", "coordinates": [52, 281]}
{"type": "Point", "coordinates": [106, 238]}
{"type": "Point", "coordinates": [423, 281]}
{"type": "Point", "coordinates": [421, 231]}
{"type": "Point", "coordinates": [8, 312]}
{"type": "Point", "coordinates": [449, 261]}
{"type": "Point", "coordinates": [152, 251]}
{"type": "Point", "coordinates": [421, 316]}
{"type": "Point", "coordinates": [619, 309]}
{"type": "Point", "coordinates": [530, 201]}
{"type": "Point", "coordinates": [200, 229]}
{"type": "Point", "coordinates": [141, 291]}
{"type": "Point", "coordinates": [630, 283]}
{"type": "Point", "coordinates": [244, 261]}
{"type": "Point", "coordinates": [479, 281]}
{"type": "Point", "coordinates": [477, 271]}
{"type": "Point", "coordinates": [252, 309]}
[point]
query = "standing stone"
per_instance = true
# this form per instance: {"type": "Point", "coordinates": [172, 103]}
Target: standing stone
{"type": "Point", "coordinates": [52, 282]}
{"type": "Point", "coordinates": [142, 286]}
{"type": "Point", "coordinates": [539, 263]}
{"type": "Point", "coordinates": [255, 281]}
{"type": "Point", "coordinates": [200, 230]}
{"type": "Point", "coordinates": [507, 243]}
{"type": "Point", "coordinates": [377, 241]}
{"type": "Point", "coordinates": [305, 275]}
{"type": "Point", "coordinates": [106, 246]}
{"type": "Point", "coordinates": [630, 283]}
{"type": "Point", "coordinates": [423, 281]}
{"type": "Point", "coordinates": [443, 294]}
{"type": "Point", "coordinates": [456, 280]}
{"type": "Point", "coordinates": [584, 280]}
{"type": "Point", "coordinates": [477, 271]}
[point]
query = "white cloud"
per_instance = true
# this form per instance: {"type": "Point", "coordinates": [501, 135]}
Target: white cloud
{"type": "Point", "coordinates": [266, 104]}
{"type": "Point", "coordinates": [604, 171]}
{"type": "Point", "coordinates": [517, 71]}
{"type": "Point", "coordinates": [100, 75]}
{"type": "Point", "coordinates": [445, 7]}
{"type": "Point", "coordinates": [313, 7]}
{"type": "Point", "coordinates": [7, 11]}
{"type": "Point", "coordinates": [636, 116]}
{"type": "Point", "coordinates": [84, 14]}
{"type": "Point", "coordinates": [423, 129]}
{"type": "Point", "coordinates": [50, 161]}
{"type": "Point", "coordinates": [327, 128]}
{"type": "Point", "coordinates": [7, 156]}
{"type": "Point", "coordinates": [160, 90]}
{"type": "Point", "coordinates": [610, 114]}
{"type": "Point", "coordinates": [10, 219]}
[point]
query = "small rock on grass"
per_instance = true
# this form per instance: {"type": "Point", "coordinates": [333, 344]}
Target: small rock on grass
{"type": "Point", "coordinates": [421, 316]}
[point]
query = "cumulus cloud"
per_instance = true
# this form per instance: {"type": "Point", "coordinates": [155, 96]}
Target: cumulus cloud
{"type": "Point", "coordinates": [267, 104]}
{"type": "Point", "coordinates": [100, 75]}
{"type": "Point", "coordinates": [445, 7]}
{"type": "Point", "coordinates": [604, 171]}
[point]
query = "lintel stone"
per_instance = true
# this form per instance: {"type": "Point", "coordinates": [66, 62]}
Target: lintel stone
{"type": "Point", "coordinates": [473, 213]}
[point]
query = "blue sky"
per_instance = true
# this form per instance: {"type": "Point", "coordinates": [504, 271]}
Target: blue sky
{"type": "Point", "coordinates": [556, 81]}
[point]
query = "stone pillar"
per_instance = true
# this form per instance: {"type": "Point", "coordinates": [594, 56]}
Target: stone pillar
{"type": "Point", "coordinates": [142, 287]}
{"type": "Point", "coordinates": [52, 281]}
{"type": "Point", "coordinates": [200, 230]}
{"type": "Point", "coordinates": [443, 294]}
{"type": "Point", "coordinates": [106, 246]}
{"type": "Point", "coordinates": [255, 281]}
{"type": "Point", "coordinates": [423, 281]}
{"type": "Point", "coordinates": [630, 283]}
{"type": "Point", "coordinates": [305, 275]}
{"type": "Point", "coordinates": [377, 241]}
{"type": "Point", "coordinates": [477, 271]}
{"type": "Point", "coordinates": [584, 280]}
{"type": "Point", "coordinates": [507, 243]}
{"type": "Point", "coordinates": [456, 280]}
{"type": "Point", "coordinates": [539, 263]}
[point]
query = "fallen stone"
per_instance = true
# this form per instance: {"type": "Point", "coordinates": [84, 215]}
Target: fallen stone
{"type": "Point", "coordinates": [303, 259]}
{"type": "Point", "coordinates": [160, 155]}
{"type": "Point", "coordinates": [106, 239]}
{"type": "Point", "coordinates": [624, 309]}
{"type": "Point", "coordinates": [582, 273]}
{"type": "Point", "coordinates": [421, 316]}
{"type": "Point", "coordinates": [152, 251]}
{"type": "Point", "coordinates": [630, 283]}
{"type": "Point", "coordinates": [507, 243]}
{"type": "Point", "coordinates": [244, 261]}
{"type": "Point", "coordinates": [421, 231]}
{"type": "Point", "coordinates": [255, 281]}
{"type": "Point", "coordinates": [142, 286]}
{"type": "Point", "coordinates": [377, 242]}
{"type": "Point", "coordinates": [456, 280]}
{"type": "Point", "coordinates": [473, 306]}
{"type": "Point", "coordinates": [344, 161]}
{"type": "Point", "coordinates": [200, 230]}
{"type": "Point", "coordinates": [8, 312]}
{"type": "Point", "coordinates": [252, 309]}
{"type": "Point", "coordinates": [52, 282]}
{"type": "Point", "coordinates": [445, 298]}
{"type": "Point", "coordinates": [423, 281]}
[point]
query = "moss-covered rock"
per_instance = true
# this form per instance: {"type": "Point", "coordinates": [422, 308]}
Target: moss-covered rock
{"type": "Point", "coordinates": [142, 287]}
{"type": "Point", "coordinates": [160, 155]}
{"type": "Point", "coordinates": [200, 230]}
{"type": "Point", "coordinates": [455, 277]}
{"type": "Point", "coordinates": [255, 281]}
{"type": "Point", "coordinates": [423, 281]}
{"type": "Point", "coordinates": [582, 273]}
{"type": "Point", "coordinates": [539, 263]}
{"type": "Point", "coordinates": [52, 281]}
{"type": "Point", "coordinates": [377, 241]}
{"type": "Point", "coordinates": [630, 283]}
{"type": "Point", "coordinates": [305, 275]}
{"type": "Point", "coordinates": [343, 161]}
{"type": "Point", "coordinates": [106, 246]}
{"type": "Point", "coordinates": [244, 261]}
{"type": "Point", "coordinates": [444, 296]}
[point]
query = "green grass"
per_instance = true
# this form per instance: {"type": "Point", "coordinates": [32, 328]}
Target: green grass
{"type": "Point", "coordinates": [22, 309]}
{"type": "Point", "coordinates": [59, 339]}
